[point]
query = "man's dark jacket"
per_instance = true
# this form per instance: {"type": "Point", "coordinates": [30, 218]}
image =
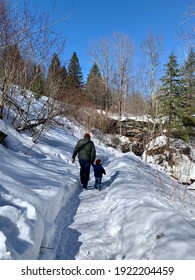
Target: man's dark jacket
{"type": "Point", "coordinates": [85, 149]}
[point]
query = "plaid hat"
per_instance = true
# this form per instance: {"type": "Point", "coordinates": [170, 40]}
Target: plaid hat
{"type": "Point", "coordinates": [98, 161]}
{"type": "Point", "coordinates": [86, 135]}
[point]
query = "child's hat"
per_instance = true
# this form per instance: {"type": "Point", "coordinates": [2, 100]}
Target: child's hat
{"type": "Point", "coordinates": [98, 161]}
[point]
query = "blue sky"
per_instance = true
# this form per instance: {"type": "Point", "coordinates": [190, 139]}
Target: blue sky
{"type": "Point", "coordinates": [90, 20]}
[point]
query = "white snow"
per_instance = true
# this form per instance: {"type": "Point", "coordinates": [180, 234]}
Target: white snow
{"type": "Point", "coordinates": [183, 166]}
{"type": "Point", "coordinates": [140, 214]}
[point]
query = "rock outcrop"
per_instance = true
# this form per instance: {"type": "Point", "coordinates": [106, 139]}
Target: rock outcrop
{"type": "Point", "coordinates": [138, 131]}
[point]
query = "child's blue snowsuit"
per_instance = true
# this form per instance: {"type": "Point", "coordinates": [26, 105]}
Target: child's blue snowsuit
{"type": "Point", "coordinates": [98, 171]}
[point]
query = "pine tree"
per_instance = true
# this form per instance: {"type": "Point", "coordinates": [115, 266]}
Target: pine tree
{"type": "Point", "coordinates": [11, 72]}
{"type": "Point", "coordinates": [94, 71]}
{"type": "Point", "coordinates": [188, 71]}
{"type": "Point", "coordinates": [38, 81]}
{"type": "Point", "coordinates": [95, 88]}
{"type": "Point", "coordinates": [75, 76]}
{"type": "Point", "coordinates": [54, 69]}
{"type": "Point", "coordinates": [57, 78]}
{"type": "Point", "coordinates": [63, 73]}
{"type": "Point", "coordinates": [64, 77]}
{"type": "Point", "coordinates": [12, 65]}
{"type": "Point", "coordinates": [173, 103]}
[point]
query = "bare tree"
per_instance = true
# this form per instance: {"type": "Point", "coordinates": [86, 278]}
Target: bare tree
{"type": "Point", "coordinates": [123, 57]}
{"type": "Point", "coordinates": [101, 54]}
{"type": "Point", "coordinates": [152, 49]}
{"type": "Point", "coordinates": [114, 59]}
{"type": "Point", "coordinates": [189, 36]}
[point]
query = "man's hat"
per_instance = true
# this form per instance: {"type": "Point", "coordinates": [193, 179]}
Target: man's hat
{"type": "Point", "coordinates": [86, 135]}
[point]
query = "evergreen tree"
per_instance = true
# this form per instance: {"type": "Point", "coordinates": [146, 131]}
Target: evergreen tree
{"type": "Point", "coordinates": [64, 77]}
{"type": "Point", "coordinates": [170, 87]}
{"type": "Point", "coordinates": [188, 71]}
{"type": "Point", "coordinates": [54, 69]}
{"type": "Point", "coordinates": [64, 73]}
{"type": "Point", "coordinates": [75, 76]}
{"type": "Point", "coordinates": [94, 71]}
{"type": "Point", "coordinates": [57, 78]}
{"type": "Point", "coordinates": [12, 65]}
{"type": "Point", "coordinates": [38, 82]}
{"type": "Point", "coordinates": [173, 103]}
{"type": "Point", "coordinates": [95, 88]}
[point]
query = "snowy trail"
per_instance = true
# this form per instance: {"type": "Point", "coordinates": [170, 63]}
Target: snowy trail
{"type": "Point", "coordinates": [80, 226]}
{"type": "Point", "coordinates": [67, 243]}
{"type": "Point", "coordinates": [81, 229]}
{"type": "Point", "coordinates": [91, 220]}
{"type": "Point", "coordinates": [87, 227]}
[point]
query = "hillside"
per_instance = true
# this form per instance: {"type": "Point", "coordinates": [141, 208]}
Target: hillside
{"type": "Point", "coordinates": [140, 214]}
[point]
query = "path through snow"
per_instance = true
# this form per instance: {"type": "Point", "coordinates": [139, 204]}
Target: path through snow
{"type": "Point", "coordinates": [91, 220]}
{"type": "Point", "coordinates": [81, 229]}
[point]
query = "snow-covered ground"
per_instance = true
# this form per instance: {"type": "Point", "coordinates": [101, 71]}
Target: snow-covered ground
{"type": "Point", "coordinates": [140, 214]}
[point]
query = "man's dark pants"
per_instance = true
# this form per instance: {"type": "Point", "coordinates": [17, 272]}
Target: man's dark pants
{"type": "Point", "coordinates": [84, 172]}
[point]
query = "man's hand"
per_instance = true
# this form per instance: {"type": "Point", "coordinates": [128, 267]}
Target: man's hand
{"type": "Point", "coordinates": [73, 160]}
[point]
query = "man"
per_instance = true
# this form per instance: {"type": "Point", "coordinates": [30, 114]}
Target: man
{"type": "Point", "coordinates": [86, 153]}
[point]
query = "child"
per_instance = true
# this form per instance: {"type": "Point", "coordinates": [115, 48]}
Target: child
{"type": "Point", "coordinates": [98, 171]}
